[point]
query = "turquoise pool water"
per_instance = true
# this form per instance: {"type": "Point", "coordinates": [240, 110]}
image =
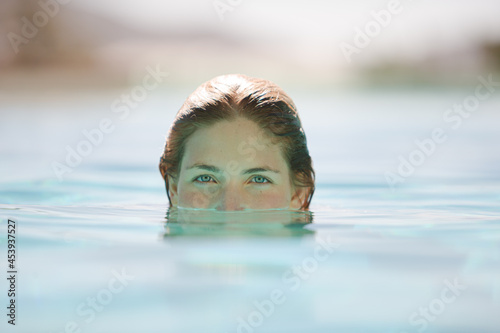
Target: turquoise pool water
{"type": "Point", "coordinates": [99, 251]}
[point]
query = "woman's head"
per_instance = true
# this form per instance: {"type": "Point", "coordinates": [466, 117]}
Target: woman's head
{"type": "Point", "coordinates": [237, 143]}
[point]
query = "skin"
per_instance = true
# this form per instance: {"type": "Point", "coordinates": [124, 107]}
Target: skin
{"type": "Point", "coordinates": [215, 171]}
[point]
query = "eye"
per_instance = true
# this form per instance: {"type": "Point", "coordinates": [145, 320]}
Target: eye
{"type": "Point", "coordinates": [204, 179]}
{"type": "Point", "coordinates": [260, 180]}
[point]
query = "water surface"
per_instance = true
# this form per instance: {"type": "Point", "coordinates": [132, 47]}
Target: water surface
{"type": "Point", "coordinates": [102, 251]}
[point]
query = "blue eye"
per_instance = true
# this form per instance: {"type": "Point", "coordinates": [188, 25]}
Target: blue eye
{"type": "Point", "coordinates": [204, 179]}
{"type": "Point", "coordinates": [260, 180]}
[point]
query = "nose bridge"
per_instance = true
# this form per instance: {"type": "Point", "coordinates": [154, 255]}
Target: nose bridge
{"type": "Point", "coordinates": [231, 197]}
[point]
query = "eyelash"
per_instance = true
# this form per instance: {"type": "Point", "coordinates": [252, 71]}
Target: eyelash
{"type": "Point", "coordinates": [266, 180]}
{"type": "Point", "coordinates": [198, 181]}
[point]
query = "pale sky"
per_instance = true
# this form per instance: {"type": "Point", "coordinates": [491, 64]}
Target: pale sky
{"type": "Point", "coordinates": [311, 33]}
{"type": "Point", "coordinates": [320, 25]}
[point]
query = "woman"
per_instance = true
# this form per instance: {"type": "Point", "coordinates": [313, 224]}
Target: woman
{"type": "Point", "coordinates": [237, 143]}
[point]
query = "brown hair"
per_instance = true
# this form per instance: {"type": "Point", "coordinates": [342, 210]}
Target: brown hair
{"type": "Point", "coordinates": [229, 96]}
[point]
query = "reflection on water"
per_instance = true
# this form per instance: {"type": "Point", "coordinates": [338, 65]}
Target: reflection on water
{"type": "Point", "coordinates": [349, 271]}
{"type": "Point", "coordinates": [396, 253]}
{"type": "Point", "coordinates": [269, 223]}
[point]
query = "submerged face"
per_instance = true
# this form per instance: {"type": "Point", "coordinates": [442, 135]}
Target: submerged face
{"type": "Point", "coordinates": [233, 165]}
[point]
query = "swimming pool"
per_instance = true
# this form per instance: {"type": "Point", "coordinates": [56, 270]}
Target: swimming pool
{"type": "Point", "coordinates": [99, 251]}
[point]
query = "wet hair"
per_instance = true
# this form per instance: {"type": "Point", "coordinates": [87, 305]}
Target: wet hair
{"type": "Point", "coordinates": [228, 97]}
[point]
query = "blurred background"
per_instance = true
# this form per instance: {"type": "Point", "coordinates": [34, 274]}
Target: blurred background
{"type": "Point", "coordinates": [84, 43]}
{"type": "Point", "coordinates": [369, 78]}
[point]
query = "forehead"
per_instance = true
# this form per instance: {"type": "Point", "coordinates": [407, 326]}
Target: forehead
{"type": "Point", "coordinates": [239, 140]}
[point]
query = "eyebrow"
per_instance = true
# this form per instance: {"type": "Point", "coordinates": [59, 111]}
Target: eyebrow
{"type": "Point", "coordinates": [261, 169]}
{"type": "Point", "coordinates": [215, 169]}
